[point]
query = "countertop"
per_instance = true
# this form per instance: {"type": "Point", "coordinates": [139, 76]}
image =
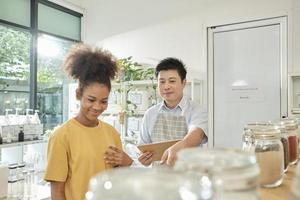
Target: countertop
{"type": "Point", "coordinates": [281, 192]}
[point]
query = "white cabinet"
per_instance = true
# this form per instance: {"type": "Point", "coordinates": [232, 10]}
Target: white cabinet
{"type": "Point", "coordinates": [33, 152]}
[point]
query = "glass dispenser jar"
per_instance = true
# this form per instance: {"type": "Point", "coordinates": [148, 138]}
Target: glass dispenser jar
{"type": "Point", "coordinates": [269, 153]}
{"type": "Point", "coordinates": [234, 173]}
{"type": "Point", "coordinates": [146, 184]}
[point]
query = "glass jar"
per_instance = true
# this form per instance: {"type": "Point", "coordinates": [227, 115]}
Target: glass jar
{"type": "Point", "coordinates": [146, 184]}
{"type": "Point", "coordinates": [291, 127]}
{"type": "Point", "coordinates": [13, 171]}
{"type": "Point", "coordinates": [269, 153]}
{"type": "Point", "coordinates": [248, 139]}
{"type": "Point", "coordinates": [12, 181]}
{"type": "Point", "coordinates": [232, 179]}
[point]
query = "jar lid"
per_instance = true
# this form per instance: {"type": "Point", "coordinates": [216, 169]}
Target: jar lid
{"type": "Point", "coordinates": [266, 125]}
{"type": "Point", "coordinates": [143, 183]}
{"type": "Point", "coordinates": [215, 160]}
{"type": "Point", "coordinates": [20, 165]}
{"type": "Point", "coordinates": [289, 123]}
{"type": "Point", "coordinates": [267, 132]}
{"type": "Point", "coordinates": [254, 125]}
{"type": "Point", "coordinates": [13, 166]}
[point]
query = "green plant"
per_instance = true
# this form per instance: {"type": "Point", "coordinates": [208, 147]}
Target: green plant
{"type": "Point", "coordinates": [132, 71]}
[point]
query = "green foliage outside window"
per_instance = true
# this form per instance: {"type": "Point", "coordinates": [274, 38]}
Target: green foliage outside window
{"type": "Point", "coordinates": [14, 59]}
{"type": "Point", "coordinates": [14, 55]}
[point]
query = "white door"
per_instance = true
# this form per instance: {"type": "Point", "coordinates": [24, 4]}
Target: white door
{"type": "Point", "coordinates": [247, 77]}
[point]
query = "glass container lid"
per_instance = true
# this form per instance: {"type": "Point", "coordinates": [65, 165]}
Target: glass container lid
{"type": "Point", "coordinates": [289, 123]}
{"type": "Point", "coordinates": [266, 132]}
{"type": "Point", "coordinates": [217, 160]}
{"type": "Point", "coordinates": [147, 184]}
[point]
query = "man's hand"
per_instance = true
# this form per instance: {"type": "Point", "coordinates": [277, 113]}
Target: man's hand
{"type": "Point", "coordinates": [169, 156]}
{"type": "Point", "coordinates": [117, 157]}
{"type": "Point", "coordinates": [146, 158]}
{"type": "Point", "coordinates": [192, 139]}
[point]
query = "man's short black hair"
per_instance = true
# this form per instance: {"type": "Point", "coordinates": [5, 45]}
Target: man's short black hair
{"type": "Point", "coordinates": [171, 63]}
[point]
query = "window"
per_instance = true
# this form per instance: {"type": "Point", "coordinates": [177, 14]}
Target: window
{"type": "Point", "coordinates": [14, 68]}
{"type": "Point", "coordinates": [52, 82]}
{"type": "Point", "coordinates": [32, 49]}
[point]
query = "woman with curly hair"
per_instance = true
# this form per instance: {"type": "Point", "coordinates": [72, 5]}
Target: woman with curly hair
{"type": "Point", "coordinates": [84, 146]}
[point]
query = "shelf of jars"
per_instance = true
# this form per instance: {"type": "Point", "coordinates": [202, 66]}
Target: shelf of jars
{"type": "Point", "coordinates": [23, 180]}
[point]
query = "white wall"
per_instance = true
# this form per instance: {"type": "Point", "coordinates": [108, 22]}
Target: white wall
{"type": "Point", "coordinates": [295, 40]}
{"type": "Point", "coordinates": [179, 37]}
{"type": "Point", "coordinates": [75, 5]}
{"type": "Point", "coordinates": [152, 30]}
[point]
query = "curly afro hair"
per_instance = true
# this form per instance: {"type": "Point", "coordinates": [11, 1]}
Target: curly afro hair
{"type": "Point", "coordinates": [89, 65]}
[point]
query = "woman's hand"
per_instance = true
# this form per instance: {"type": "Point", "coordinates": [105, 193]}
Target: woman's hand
{"type": "Point", "coordinates": [146, 158]}
{"type": "Point", "coordinates": [117, 157]}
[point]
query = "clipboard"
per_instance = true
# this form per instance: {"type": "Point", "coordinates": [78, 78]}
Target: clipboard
{"type": "Point", "coordinates": [158, 148]}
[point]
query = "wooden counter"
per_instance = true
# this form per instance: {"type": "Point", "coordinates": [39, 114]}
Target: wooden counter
{"type": "Point", "coordinates": [281, 192]}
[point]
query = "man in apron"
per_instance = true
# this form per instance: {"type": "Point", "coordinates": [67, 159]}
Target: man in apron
{"type": "Point", "coordinates": [175, 118]}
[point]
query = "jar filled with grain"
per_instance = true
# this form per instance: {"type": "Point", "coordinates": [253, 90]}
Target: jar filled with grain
{"type": "Point", "coordinates": [248, 139]}
{"type": "Point", "coordinates": [269, 153]}
{"type": "Point", "coordinates": [234, 173]}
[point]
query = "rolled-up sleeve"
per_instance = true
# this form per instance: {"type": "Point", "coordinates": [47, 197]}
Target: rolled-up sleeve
{"type": "Point", "coordinates": [198, 119]}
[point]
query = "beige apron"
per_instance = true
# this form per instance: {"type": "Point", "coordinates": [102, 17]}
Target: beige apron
{"type": "Point", "coordinates": [169, 127]}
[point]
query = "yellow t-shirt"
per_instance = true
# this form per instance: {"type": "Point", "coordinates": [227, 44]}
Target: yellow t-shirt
{"type": "Point", "coordinates": [76, 153]}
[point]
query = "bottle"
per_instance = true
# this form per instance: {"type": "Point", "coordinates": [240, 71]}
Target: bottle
{"type": "Point", "coordinates": [28, 127]}
{"type": "Point", "coordinates": [36, 119]}
{"type": "Point", "coordinates": [9, 129]}
{"type": "Point", "coordinates": [21, 135]}
{"type": "Point", "coordinates": [27, 117]}
{"type": "Point", "coordinates": [17, 117]}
